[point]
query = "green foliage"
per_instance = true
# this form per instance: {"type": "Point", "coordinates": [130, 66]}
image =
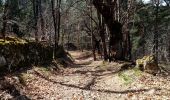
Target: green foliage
{"type": "Point", "coordinates": [23, 78]}
{"type": "Point", "coordinates": [127, 78]}
{"type": "Point", "coordinates": [44, 70]}
{"type": "Point", "coordinates": [137, 72]}
{"type": "Point", "coordinates": [135, 43]}
{"type": "Point", "coordinates": [143, 23]}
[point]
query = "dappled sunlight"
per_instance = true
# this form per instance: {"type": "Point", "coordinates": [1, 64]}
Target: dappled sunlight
{"type": "Point", "coordinates": [84, 49]}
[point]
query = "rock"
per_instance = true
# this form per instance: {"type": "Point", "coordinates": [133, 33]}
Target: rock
{"type": "Point", "coordinates": [151, 92]}
{"type": "Point", "coordinates": [147, 64]}
{"type": "Point", "coordinates": [16, 79]}
{"type": "Point", "coordinates": [2, 61]}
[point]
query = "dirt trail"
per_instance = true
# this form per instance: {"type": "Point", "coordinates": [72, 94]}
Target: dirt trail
{"type": "Point", "coordinates": [90, 80]}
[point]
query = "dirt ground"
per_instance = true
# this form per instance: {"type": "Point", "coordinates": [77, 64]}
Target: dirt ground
{"type": "Point", "coordinates": [85, 80]}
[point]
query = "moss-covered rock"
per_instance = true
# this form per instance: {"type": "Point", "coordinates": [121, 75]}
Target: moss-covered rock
{"type": "Point", "coordinates": [12, 40]}
{"type": "Point", "coordinates": [16, 53]}
{"type": "Point", "coordinates": [147, 64]}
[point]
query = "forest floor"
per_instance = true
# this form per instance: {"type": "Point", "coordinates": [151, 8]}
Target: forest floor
{"type": "Point", "coordinates": [85, 80]}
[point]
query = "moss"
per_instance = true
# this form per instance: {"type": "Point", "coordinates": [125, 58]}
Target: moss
{"type": "Point", "coordinates": [12, 40]}
{"type": "Point", "coordinates": [46, 71]}
{"type": "Point", "coordinates": [137, 72]}
{"type": "Point", "coordinates": [23, 77]}
{"type": "Point", "coordinates": [142, 63]}
{"type": "Point", "coordinates": [127, 78]}
{"type": "Point", "coordinates": [19, 53]}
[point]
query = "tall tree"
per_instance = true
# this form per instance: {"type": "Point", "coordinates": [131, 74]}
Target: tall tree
{"type": "Point", "coordinates": [58, 19]}
{"type": "Point", "coordinates": [42, 20]}
{"type": "Point", "coordinates": [102, 33]}
{"type": "Point", "coordinates": [155, 51]}
{"type": "Point", "coordinates": [107, 9]}
{"type": "Point", "coordinates": [36, 14]}
{"type": "Point", "coordinates": [55, 26]}
{"type": "Point", "coordinates": [56, 22]}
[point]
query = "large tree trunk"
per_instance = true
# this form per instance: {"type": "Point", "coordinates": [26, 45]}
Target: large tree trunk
{"type": "Point", "coordinates": [106, 9]}
{"type": "Point", "coordinates": [126, 33]}
{"type": "Point", "coordinates": [102, 36]}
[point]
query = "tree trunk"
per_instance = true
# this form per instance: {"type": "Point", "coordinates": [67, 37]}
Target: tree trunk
{"type": "Point", "coordinates": [156, 32]}
{"type": "Point", "coordinates": [58, 19]}
{"type": "Point", "coordinates": [55, 27]}
{"type": "Point", "coordinates": [42, 21]}
{"type": "Point", "coordinates": [35, 10]}
{"type": "Point", "coordinates": [92, 35]}
{"type": "Point", "coordinates": [106, 9]}
{"type": "Point", "coordinates": [102, 36]}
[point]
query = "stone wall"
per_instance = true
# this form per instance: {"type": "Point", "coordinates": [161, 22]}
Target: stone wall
{"type": "Point", "coordinates": [18, 54]}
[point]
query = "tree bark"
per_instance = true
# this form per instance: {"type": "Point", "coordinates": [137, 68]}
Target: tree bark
{"type": "Point", "coordinates": [55, 27]}
{"type": "Point", "coordinates": [42, 21]}
{"type": "Point", "coordinates": [155, 52]}
{"type": "Point", "coordinates": [92, 36]}
{"type": "Point", "coordinates": [58, 19]}
{"type": "Point", "coordinates": [102, 36]}
{"type": "Point", "coordinates": [36, 14]}
{"type": "Point", "coordinates": [106, 9]}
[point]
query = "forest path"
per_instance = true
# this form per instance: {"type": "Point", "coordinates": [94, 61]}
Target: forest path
{"type": "Point", "coordinates": [89, 80]}
{"type": "Point", "coordinates": [85, 80]}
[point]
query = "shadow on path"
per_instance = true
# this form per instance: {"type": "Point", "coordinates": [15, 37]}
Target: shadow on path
{"type": "Point", "coordinates": [88, 86]}
{"type": "Point", "coordinates": [12, 90]}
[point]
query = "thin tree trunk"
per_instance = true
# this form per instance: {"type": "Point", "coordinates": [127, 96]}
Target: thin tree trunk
{"type": "Point", "coordinates": [42, 21]}
{"type": "Point", "coordinates": [92, 36]}
{"type": "Point", "coordinates": [35, 10]}
{"type": "Point", "coordinates": [156, 32]}
{"type": "Point", "coordinates": [55, 27]}
{"type": "Point", "coordinates": [78, 36]}
{"type": "Point", "coordinates": [58, 21]}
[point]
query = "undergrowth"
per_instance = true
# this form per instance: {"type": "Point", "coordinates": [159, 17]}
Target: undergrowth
{"type": "Point", "coordinates": [129, 76]}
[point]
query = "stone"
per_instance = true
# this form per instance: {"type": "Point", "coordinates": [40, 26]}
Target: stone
{"type": "Point", "coordinates": [151, 92]}
{"type": "Point", "coordinates": [147, 64]}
